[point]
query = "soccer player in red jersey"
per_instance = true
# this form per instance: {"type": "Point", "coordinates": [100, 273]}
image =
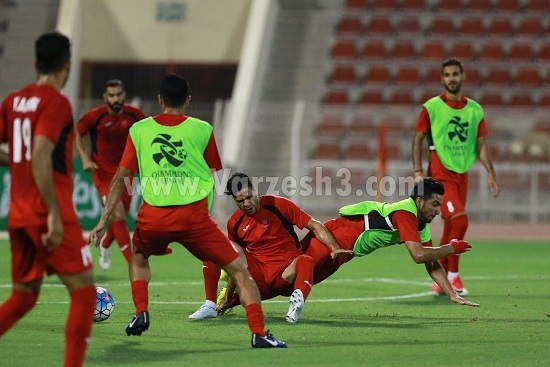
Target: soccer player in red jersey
{"type": "Point", "coordinates": [264, 227]}
{"type": "Point", "coordinates": [455, 130]}
{"type": "Point", "coordinates": [45, 235]}
{"type": "Point", "coordinates": [174, 155]}
{"type": "Point", "coordinates": [365, 227]}
{"type": "Point", "coordinates": [100, 140]}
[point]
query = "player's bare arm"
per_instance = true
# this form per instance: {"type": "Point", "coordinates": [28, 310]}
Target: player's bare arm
{"type": "Point", "coordinates": [42, 170]}
{"type": "Point", "coordinates": [324, 235]}
{"type": "Point", "coordinates": [485, 159]}
{"type": "Point", "coordinates": [83, 146]}
{"type": "Point", "coordinates": [423, 254]}
{"type": "Point", "coordinates": [113, 197]}
{"type": "Point", "coordinates": [417, 153]}
{"type": "Point", "coordinates": [438, 274]}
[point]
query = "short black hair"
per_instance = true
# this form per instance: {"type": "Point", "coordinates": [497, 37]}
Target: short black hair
{"type": "Point", "coordinates": [174, 90]}
{"type": "Point", "coordinates": [426, 187]}
{"type": "Point", "coordinates": [114, 83]}
{"type": "Point", "coordinates": [52, 51]}
{"type": "Point", "coordinates": [452, 62]}
{"type": "Point", "coordinates": [237, 182]}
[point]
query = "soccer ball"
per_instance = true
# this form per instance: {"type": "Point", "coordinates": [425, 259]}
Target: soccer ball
{"type": "Point", "coordinates": [104, 304]}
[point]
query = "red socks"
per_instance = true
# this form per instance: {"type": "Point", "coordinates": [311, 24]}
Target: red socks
{"type": "Point", "coordinates": [108, 238]}
{"type": "Point", "coordinates": [304, 274]}
{"type": "Point", "coordinates": [255, 316]}
{"type": "Point", "coordinates": [15, 307]}
{"type": "Point", "coordinates": [122, 237]}
{"type": "Point", "coordinates": [140, 295]}
{"type": "Point", "coordinates": [455, 227]}
{"type": "Point", "coordinates": [211, 273]}
{"type": "Point", "coordinates": [79, 325]}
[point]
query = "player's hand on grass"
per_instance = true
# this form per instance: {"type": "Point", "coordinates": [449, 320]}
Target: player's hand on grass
{"type": "Point", "coordinates": [340, 252]}
{"type": "Point", "coordinates": [461, 301]}
{"type": "Point", "coordinates": [52, 238]}
{"type": "Point", "coordinates": [460, 246]}
{"type": "Point", "coordinates": [96, 234]}
{"type": "Point", "coordinates": [224, 306]}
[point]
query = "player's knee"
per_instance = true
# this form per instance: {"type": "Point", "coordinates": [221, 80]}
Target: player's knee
{"type": "Point", "coordinates": [305, 260]}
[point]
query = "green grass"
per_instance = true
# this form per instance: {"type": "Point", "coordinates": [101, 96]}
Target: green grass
{"type": "Point", "coordinates": [373, 312]}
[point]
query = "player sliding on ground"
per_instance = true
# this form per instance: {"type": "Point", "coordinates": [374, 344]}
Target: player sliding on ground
{"type": "Point", "coordinates": [370, 225]}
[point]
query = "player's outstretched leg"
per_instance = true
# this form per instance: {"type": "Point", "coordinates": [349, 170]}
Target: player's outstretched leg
{"type": "Point", "coordinates": [296, 307]}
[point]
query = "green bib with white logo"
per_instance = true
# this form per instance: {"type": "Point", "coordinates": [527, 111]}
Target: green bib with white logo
{"type": "Point", "coordinates": [375, 238]}
{"type": "Point", "coordinates": [172, 169]}
{"type": "Point", "coordinates": [453, 133]}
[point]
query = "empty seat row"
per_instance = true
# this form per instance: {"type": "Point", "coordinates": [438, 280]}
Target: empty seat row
{"type": "Point", "coordinates": [465, 50]}
{"type": "Point", "coordinates": [343, 75]}
{"type": "Point", "coordinates": [447, 5]}
{"type": "Point", "coordinates": [443, 25]}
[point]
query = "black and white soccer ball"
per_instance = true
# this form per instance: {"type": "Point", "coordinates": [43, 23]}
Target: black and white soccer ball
{"type": "Point", "coordinates": [104, 304]}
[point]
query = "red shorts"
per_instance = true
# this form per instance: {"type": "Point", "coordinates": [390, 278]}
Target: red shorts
{"type": "Point", "coordinates": [345, 231]}
{"type": "Point", "coordinates": [206, 243]}
{"type": "Point", "coordinates": [30, 258]}
{"type": "Point", "coordinates": [102, 187]}
{"type": "Point", "coordinates": [268, 277]}
{"type": "Point", "coordinates": [454, 199]}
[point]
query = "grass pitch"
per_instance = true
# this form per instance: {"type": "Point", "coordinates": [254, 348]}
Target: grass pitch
{"type": "Point", "coordinates": [376, 311]}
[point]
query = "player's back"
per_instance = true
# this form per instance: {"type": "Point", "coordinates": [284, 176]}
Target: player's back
{"type": "Point", "coordinates": [31, 111]}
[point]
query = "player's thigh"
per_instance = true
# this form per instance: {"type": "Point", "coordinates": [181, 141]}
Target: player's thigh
{"type": "Point", "coordinates": [73, 255]}
{"type": "Point", "coordinates": [150, 242]}
{"type": "Point", "coordinates": [28, 260]}
{"type": "Point", "coordinates": [453, 201]}
{"type": "Point", "coordinates": [208, 243]}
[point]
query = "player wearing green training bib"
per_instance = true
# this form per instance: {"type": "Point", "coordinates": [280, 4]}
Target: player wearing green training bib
{"type": "Point", "coordinates": [368, 226]}
{"type": "Point", "coordinates": [455, 130]}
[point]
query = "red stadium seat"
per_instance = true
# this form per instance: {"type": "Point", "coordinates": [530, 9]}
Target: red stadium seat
{"type": "Point", "coordinates": [408, 5]}
{"type": "Point", "coordinates": [355, 5]}
{"type": "Point", "coordinates": [327, 150]}
{"type": "Point", "coordinates": [344, 50]}
{"type": "Point", "coordinates": [336, 98]}
{"type": "Point", "coordinates": [521, 52]}
{"type": "Point", "coordinates": [408, 26]}
{"type": "Point", "coordinates": [379, 26]}
{"type": "Point", "coordinates": [378, 75]}
{"type": "Point", "coordinates": [371, 97]}
{"type": "Point", "coordinates": [398, 97]}
{"type": "Point", "coordinates": [349, 26]}
{"type": "Point", "coordinates": [471, 26]}
{"type": "Point", "coordinates": [374, 50]}
{"type": "Point", "coordinates": [407, 75]}
{"type": "Point", "coordinates": [484, 6]}
{"type": "Point", "coordinates": [463, 50]}
{"type": "Point", "coordinates": [491, 51]}
{"type": "Point", "coordinates": [537, 6]}
{"type": "Point", "coordinates": [331, 127]}
{"type": "Point", "coordinates": [363, 126]}
{"type": "Point", "coordinates": [434, 50]}
{"type": "Point", "coordinates": [473, 77]}
{"type": "Point", "coordinates": [403, 50]}
{"type": "Point", "coordinates": [498, 76]}
{"type": "Point", "coordinates": [433, 77]}
{"type": "Point", "coordinates": [519, 99]}
{"type": "Point", "coordinates": [500, 27]}
{"type": "Point", "coordinates": [530, 27]}
{"type": "Point", "coordinates": [491, 99]}
{"type": "Point", "coordinates": [512, 6]}
{"type": "Point", "coordinates": [343, 74]}
{"type": "Point", "coordinates": [357, 150]}
{"type": "Point", "coordinates": [529, 77]}
{"type": "Point", "coordinates": [442, 26]}
{"type": "Point", "coordinates": [449, 5]}
{"type": "Point", "coordinates": [385, 5]}
{"type": "Point", "coordinates": [544, 52]}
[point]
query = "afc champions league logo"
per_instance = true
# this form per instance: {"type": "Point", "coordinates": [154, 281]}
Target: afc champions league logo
{"type": "Point", "coordinates": [457, 130]}
{"type": "Point", "coordinates": [172, 151]}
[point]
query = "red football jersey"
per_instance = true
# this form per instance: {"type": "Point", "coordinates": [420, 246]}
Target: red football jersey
{"type": "Point", "coordinates": [269, 234]}
{"type": "Point", "coordinates": [108, 135]}
{"type": "Point", "coordinates": [32, 111]}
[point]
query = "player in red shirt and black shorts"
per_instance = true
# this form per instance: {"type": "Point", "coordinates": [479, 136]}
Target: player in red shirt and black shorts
{"type": "Point", "coordinates": [100, 140]}
{"type": "Point", "coordinates": [45, 235]}
{"type": "Point", "coordinates": [453, 209]}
